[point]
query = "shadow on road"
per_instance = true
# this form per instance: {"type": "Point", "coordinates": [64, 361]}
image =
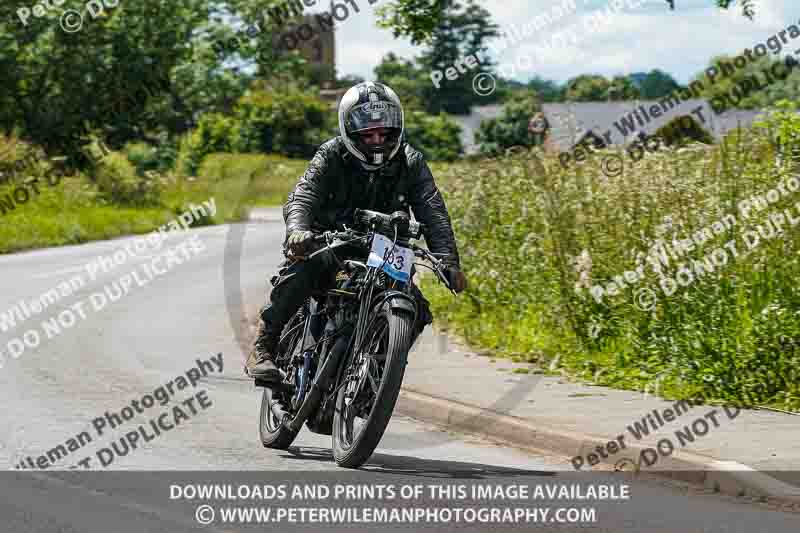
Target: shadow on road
{"type": "Point", "coordinates": [414, 466]}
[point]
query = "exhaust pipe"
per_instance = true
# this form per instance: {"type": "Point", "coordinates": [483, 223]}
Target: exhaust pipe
{"type": "Point", "coordinates": [329, 368]}
{"type": "Point", "coordinates": [277, 411]}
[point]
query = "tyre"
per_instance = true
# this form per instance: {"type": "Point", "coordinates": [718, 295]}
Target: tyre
{"type": "Point", "coordinates": [273, 433]}
{"type": "Point", "coordinates": [375, 375]}
{"type": "Point", "coordinates": [271, 430]}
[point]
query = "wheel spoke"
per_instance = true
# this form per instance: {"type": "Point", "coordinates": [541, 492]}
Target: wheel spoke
{"type": "Point", "coordinates": [372, 379]}
{"type": "Point", "coordinates": [360, 397]}
{"type": "Point", "coordinates": [349, 418]}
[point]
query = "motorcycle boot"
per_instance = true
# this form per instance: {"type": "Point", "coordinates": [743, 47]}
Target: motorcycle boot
{"type": "Point", "coordinates": [261, 362]}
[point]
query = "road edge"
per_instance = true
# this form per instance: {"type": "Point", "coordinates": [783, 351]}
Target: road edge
{"type": "Point", "coordinates": [727, 477]}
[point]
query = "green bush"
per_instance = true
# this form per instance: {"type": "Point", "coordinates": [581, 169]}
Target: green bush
{"type": "Point", "coordinates": [142, 156]}
{"type": "Point", "coordinates": [681, 130]}
{"type": "Point", "coordinates": [119, 183]}
{"type": "Point", "coordinates": [147, 158]}
{"type": "Point", "coordinates": [18, 160]}
{"type": "Point", "coordinates": [215, 132]}
{"type": "Point", "coordinates": [511, 129]}
{"type": "Point", "coordinates": [289, 122]}
{"type": "Point", "coordinates": [782, 124]}
{"type": "Point", "coordinates": [436, 136]}
{"type": "Point", "coordinates": [196, 222]}
{"type": "Point", "coordinates": [285, 121]}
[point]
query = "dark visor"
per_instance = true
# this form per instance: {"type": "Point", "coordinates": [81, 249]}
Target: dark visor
{"type": "Point", "coordinates": [373, 115]}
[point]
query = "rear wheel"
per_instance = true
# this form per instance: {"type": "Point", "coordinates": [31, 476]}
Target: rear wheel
{"type": "Point", "coordinates": [364, 405]}
{"type": "Point", "coordinates": [271, 430]}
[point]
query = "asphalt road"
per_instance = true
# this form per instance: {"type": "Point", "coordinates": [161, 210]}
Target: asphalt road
{"type": "Point", "coordinates": [57, 390]}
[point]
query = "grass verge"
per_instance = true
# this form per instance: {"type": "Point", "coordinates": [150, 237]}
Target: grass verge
{"type": "Point", "coordinates": [74, 211]}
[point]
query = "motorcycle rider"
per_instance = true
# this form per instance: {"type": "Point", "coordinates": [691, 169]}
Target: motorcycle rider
{"type": "Point", "coordinates": [368, 166]}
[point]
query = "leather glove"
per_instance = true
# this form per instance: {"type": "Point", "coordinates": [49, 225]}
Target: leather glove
{"type": "Point", "coordinates": [456, 278]}
{"type": "Point", "coordinates": [298, 242]}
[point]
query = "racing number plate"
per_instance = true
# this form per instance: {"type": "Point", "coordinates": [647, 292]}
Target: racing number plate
{"type": "Point", "coordinates": [398, 259]}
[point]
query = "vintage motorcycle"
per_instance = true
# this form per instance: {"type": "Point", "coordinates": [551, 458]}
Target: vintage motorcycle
{"type": "Point", "coordinates": [343, 355]}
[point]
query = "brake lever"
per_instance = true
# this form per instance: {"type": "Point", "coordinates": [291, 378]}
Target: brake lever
{"type": "Point", "coordinates": [444, 279]}
{"type": "Point", "coordinates": [423, 253]}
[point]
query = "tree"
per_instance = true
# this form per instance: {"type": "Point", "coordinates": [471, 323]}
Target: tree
{"type": "Point", "coordinates": [730, 88]}
{"type": "Point", "coordinates": [345, 82]}
{"type": "Point", "coordinates": [407, 80]}
{"type": "Point", "coordinates": [392, 66]}
{"type": "Point", "coordinates": [418, 19]}
{"type": "Point", "coordinates": [622, 88]}
{"type": "Point", "coordinates": [437, 137]}
{"type": "Point", "coordinates": [121, 74]}
{"type": "Point", "coordinates": [145, 71]}
{"type": "Point", "coordinates": [457, 31]}
{"type": "Point", "coordinates": [548, 90]}
{"type": "Point", "coordinates": [511, 128]}
{"type": "Point", "coordinates": [656, 84]}
{"type": "Point", "coordinates": [587, 88]}
{"type": "Point", "coordinates": [748, 6]}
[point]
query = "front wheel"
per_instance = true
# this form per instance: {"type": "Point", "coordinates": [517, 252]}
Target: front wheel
{"type": "Point", "coordinates": [365, 404]}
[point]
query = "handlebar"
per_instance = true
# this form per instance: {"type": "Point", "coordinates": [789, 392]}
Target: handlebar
{"type": "Point", "coordinates": [349, 236]}
{"type": "Point", "coordinates": [397, 221]}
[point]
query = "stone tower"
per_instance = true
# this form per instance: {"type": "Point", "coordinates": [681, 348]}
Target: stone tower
{"type": "Point", "coordinates": [313, 36]}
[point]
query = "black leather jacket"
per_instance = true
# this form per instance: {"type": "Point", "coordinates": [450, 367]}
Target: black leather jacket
{"type": "Point", "coordinates": [335, 184]}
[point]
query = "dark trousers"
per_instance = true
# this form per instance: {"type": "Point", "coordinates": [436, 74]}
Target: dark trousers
{"type": "Point", "coordinates": [297, 280]}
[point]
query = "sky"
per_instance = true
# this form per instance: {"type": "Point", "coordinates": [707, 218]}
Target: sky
{"type": "Point", "coordinates": [635, 38]}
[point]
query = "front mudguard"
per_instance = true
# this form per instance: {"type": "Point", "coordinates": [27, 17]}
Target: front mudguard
{"type": "Point", "coordinates": [393, 299]}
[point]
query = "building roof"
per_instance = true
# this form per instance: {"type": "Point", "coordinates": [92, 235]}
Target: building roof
{"type": "Point", "coordinates": [730, 120]}
{"type": "Point", "coordinates": [470, 124]}
{"type": "Point", "coordinates": [569, 122]}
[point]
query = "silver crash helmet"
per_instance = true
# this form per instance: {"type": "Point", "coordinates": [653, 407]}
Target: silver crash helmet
{"type": "Point", "coordinates": [368, 106]}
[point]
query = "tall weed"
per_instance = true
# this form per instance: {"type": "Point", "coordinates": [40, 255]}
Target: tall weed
{"type": "Point", "coordinates": [537, 238]}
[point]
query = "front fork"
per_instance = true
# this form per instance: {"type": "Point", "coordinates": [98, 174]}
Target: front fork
{"type": "Point", "coordinates": [395, 299]}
